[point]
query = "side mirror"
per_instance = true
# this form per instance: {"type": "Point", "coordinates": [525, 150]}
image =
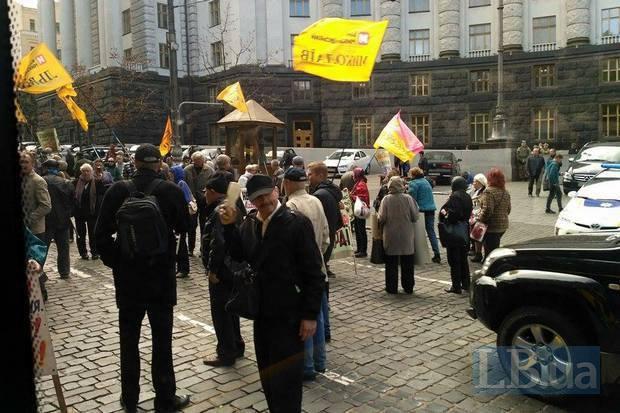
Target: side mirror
{"type": "Point", "coordinates": [571, 159]}
{"type": "Point", "coordinates": [572, 194]}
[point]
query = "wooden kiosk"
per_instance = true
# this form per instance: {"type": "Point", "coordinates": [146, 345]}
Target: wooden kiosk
{"type": "Point", "coordinates": [248, 134]}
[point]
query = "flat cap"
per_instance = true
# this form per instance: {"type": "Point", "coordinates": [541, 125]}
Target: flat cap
{"type": "Point", "coordinates": [259, 185]}
{"type": "Point", "coordinates": [218, 183]}
{"type": "Point", "coordinates": [148, 153]}
{"type": "Point", "coordinates": [295, 174]}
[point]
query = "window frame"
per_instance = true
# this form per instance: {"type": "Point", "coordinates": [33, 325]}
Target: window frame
{"type": "Point", "coordinates": [217, 46]}
{"type": "Point", "coordinates": [425, 84]}
{"type": "Point", "coordinates": [609, 19]}
{"type": "Point", "coordinates": [478, 5]}
{"type": "Point", "coordinates": [303, 4]}
{"type": "Point", "coordinates": [212, 93]}
{"type": "Point", "coordinates": [413, 2]}
{"type": "Point", "coordinates": [425, 41]}
{"type": "Point", "coordinates": [474, 123]}
{"type": "Point", "coordinates": [362, 12]}
{"type": "Point", "coordinates": [368, 125]}
{"type": "Point", "coordinates": [486, 33]}
{"type": "Point", "coordinates": [607, 70]}
{"type": "Point", "coordinates": [215, 13]}
{"type": "Point", "coordinates": [164, 55]}
{"type": "Point", "coordinates": [606, 117]}
{"type": "Point", "coordinates": [552, 116]}
{"type": "Point", "coordinates": [32, 25]}
{"type": "Point", "coordinates": [358, 86]}
{"type": "Point", "coordinates": [545, 27]}
{"type": "Point", "coordinates": [128, 53]}
{"type": "Point", "coordinates": [473, 84]}
{"type": "Point", "coordinates": [426, 138]}
{"type": "Point", "coordinates": [162, 16]}
{"type": "Point", "coordinates": [302, 95]}
{"type": "Point", "coordinates": [539, 76]}
{"type": "Point", "coordinates": [126, 21]}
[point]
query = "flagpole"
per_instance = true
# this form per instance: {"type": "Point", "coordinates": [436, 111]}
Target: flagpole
{"type": "Point", "coordinates": [338, 164]}
{"type": "Point", "coordinates": [106, 124]}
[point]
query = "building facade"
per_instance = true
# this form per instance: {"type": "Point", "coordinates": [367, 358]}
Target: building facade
{"type": "Point", "coordinates": [27, 27]}
{"type": "Point", "coordinates": [437, 65]}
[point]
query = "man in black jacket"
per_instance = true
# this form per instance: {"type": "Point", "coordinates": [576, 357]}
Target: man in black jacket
{"type": "Point", "coordinates": [535, 166]}
{"type": "Point", "coordinates": [219, 267]}
{"type": "Point", "coordinates": [280, 247]}
{"type": "Point", "coordinates": [145, 286]}
{"type": "Point", "coordinates": [58, 221]}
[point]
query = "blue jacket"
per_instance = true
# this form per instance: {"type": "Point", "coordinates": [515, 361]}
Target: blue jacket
{"type": "Point", "coordinates": [553, 173]}
{"type": "Point", "coordinates": [420, 189]}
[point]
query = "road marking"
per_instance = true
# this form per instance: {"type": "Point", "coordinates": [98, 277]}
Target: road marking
{"type": "Point", "coordinates": [338, 378]}
{"type": "Point", "coordinates": [80, 274]}
{"type": "Point", "coordinates": [372, 267]}
{"type": "Point", "coordinates": [196, 323]}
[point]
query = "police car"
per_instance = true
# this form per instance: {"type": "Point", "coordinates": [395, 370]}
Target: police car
{"type": "Point", "coordinates": [595, 207]}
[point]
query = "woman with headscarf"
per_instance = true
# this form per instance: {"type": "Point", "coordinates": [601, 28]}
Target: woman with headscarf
{"type": "Point", "coordinates": [476, 191]}
{"type": "Point", "coordinates": [457, 210]}
{"type": "Point", "coordinates": [360, 190]}
{"type": "Point", "coordinates": [397, 215]}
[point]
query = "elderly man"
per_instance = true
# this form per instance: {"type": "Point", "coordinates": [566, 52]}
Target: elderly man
{"type": "Point", "coordinates": [523, 152]}
{"type": "Point", "coordinates": [250, 171]}
{"type": "Point", "coordinates": [196, 176]}
{"type": "Point", "coordinates": [535, 166]}
{"type": "Point", "coordinates": [298, 162]}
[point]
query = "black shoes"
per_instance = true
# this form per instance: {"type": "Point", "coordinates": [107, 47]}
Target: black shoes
{"type": "Point", "coordinates": [64, 276]}
{"type": "Point", "coordinates": [218, 362]}
{"type": "Point", "coordinates": [549, 211]}
{"type": "Point", "coordinates": [477, 258]}
{"type": "Point", "coordinates": [84, 257]}
{"type": "Point", "coordinates": [95, 257]}
{"type": "Point", "coordinates": [436, 259]}
{"type": "Point", "coordinates": [330, 273]}
{"type": "Point", "coordinates": [179, 403]}
{"type": "Point", "coordinates": [453, 291]}
{"type": "Point", "coordinates": [360, 255]}
{"type": "Point", "coordinates": [182, 274]}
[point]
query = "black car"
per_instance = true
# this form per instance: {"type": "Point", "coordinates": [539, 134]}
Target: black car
{"type": "Point", "coordinates": [587, 163]}
{"type": "Point", "coordinates": [442, 165]}
{"type": "Point", "coordinates": [551, 294]}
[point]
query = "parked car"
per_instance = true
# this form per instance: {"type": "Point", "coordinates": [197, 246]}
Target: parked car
{"type": "Point", "coordinates": [587, 163]}
{"type": "Point", "coordinates": [545, 296]}
{"type": "Point", "coordinates": [342, 159]}
{"type": "Point", "coordinates": [442, 165]}
{"type": "Point", "coordinates": [595, 207]}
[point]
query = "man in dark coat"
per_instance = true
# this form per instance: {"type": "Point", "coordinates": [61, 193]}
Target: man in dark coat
{"type": "Point", "coordinates": [145, 285]}
{"type": "Point", "coordinates": [220, 267]}
{"type": "Point", "coordinates": [280, 247]}
{"type": "Point", "coordinates": [58, 221]}
{"type": "Point", "coordinates": [535, 166]}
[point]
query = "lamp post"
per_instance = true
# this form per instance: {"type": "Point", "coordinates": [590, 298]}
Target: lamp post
{"type": "Point", "coordinates": [499, 121]}
{"type": "Point", "coordinates": [174, 75]}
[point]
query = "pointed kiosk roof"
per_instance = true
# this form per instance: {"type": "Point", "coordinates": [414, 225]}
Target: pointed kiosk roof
{"type": "Point", "coordinates": [256, 116]}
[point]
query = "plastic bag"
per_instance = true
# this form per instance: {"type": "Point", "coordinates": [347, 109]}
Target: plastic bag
{"type": "Point", "coordinates": [360, 209]}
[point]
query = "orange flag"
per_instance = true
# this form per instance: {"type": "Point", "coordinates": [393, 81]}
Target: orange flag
{"type": "Point", "coordinates": [166, 140]}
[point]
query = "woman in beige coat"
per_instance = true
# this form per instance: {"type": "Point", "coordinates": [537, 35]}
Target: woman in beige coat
{"type": "Point", "coordinates": [397, 215]}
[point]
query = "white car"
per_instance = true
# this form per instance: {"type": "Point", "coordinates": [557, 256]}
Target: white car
{"type": "Point", "coordinates": [594, 208]}
{"type": "Point", "coordinates": [344, 158]}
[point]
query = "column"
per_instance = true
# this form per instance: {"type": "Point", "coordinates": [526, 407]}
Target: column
{"type": "Point", "coordinates": [67, 33]}
{"type": "Point", "coordinates": [332, 8]}
{"type": "Point", "coordinates": [47, 21]}
{"type": "Point", "coordinates": [83, 33]}
{"type": "Point", "coordinates": [449, 30]}
{"type": "Point", "coordinates": [390, 48]}
{"type": "Point", "coordinates": [577, 22]}
{"type": "Point", "coordinates": [113, 33]}
{"type": "Point", "coordinates": [513, 25]}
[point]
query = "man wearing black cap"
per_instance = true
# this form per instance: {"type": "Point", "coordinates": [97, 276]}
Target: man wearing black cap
{"type": "Point", "coordinates": [218, 265]}
{"type": "Point", "coordinates": [279, 245]}
{"type": "Point", "coordinates": [145, 285]}
{"type": "Point", "coordinates": [58, 221]}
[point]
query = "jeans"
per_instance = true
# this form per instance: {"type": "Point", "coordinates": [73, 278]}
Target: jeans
{"type": "Point", "coordinates": [459, 267]}
{"type": "Point", "coordinates": [530, 185]}
{"type": "Point", "coordinates": [326, 325]}
{"type": "Point", "coordinates": [360, 235]}
{"type": "Point", "coordinates": [61, 239]}
{"type": "Point", "coordinates": [554, 192]}
{"type": "Point", "coordinates": [391, 273]}
{"type": "Point", "coordinates": [314, 347]}
{"type": "Point", "coordinates": [429, 223]}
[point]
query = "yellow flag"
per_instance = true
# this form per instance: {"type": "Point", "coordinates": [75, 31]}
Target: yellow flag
{"type": "Point", "coordinates": [234, 96]}
{"type": "Point", "coordinates": [19, 114]}
{"type": "Point", "coordinates": [339, 49]}
{"type": "Point", "coordinates": [391, 140]}
{"type": "Point", "coordinates": [40, 72]}
{"type": "Point", "coordinates": [166, 140]}
{"type": "Point", "coordinates": [66, 94]}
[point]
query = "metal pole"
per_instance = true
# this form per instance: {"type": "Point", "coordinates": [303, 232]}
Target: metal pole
{"type": "Point", "coordinates": [499, 122]}
{"type": "Point", "coordinates": [174, 81]}
{"type": "Point", "coordinates": [189, 70]}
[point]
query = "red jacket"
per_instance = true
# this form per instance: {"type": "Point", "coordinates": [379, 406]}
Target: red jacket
{"type": "Point", "coordinates": [360, 189]}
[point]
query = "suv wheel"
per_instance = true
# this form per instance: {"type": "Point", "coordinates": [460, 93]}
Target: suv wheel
{"type": "Point", "coordinates": [542, 339]}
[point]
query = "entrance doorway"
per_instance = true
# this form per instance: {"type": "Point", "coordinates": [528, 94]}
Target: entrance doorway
{"type": "Point", "coordinates": [303, 134]}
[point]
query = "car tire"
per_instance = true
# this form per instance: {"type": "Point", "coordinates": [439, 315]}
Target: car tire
{"type": "Point", "coordinates": [526, 326]}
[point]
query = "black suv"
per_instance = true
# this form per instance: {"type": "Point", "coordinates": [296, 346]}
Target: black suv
{"type": "Point", "coordinates": [553, 293]}
{"type": "Point", "coordinates": [587, 163]}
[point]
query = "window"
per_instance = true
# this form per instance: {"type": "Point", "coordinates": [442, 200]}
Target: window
{"type": "Point", "coordinates": [416, 6]}
{"type": "Point", "coordinates": [162, 16]}
{"type": "Point", "coordinates": [211, 94]}
{"type": "Point", "coordinates": [214, 12]}
{"type": "Point", "coordinates": [217, 51]}
{"type": "Point", "coordinates": [479, 127]}
{"type": "Point", "coordinates": [544, 75]}
{"type": "Point", "coordinates": [360, 90]}
{"type": "Point", "coordinates": [611, 119]}
{"type": "Point", "coordinates": [611, 71]}
{"type": "Point", "coordinates": [544, 124]}
{"type": "Point", "coordinates": [419, 42]}
{"type": "Point", "coordinates": [299, 8]}
{"type": "Point", "coordinates": [420, 126]}
{"type": "Point", "coordinates": [478, 3]}
{"type": "Point", "coordinates": [480, 37]}
{"type": "Point", "coordinates": [126, 21]}
{"type": "Point", "coordinates": [164, 56]}
{"type": "Point", "coordinates": [479, 80]}
{"type": "Point", "coordinates": [362, 131]}
{"type": "Point", "coordinates": [419, 84]}
{"type": "Point", "coordinates": [610, 22]}
{"type": "Point", "coordinates": [544, 30]}
{"type": "Point", "coordinates": [302, 90]}
{"type": "Point", "coordinates": [127, 54]}
{"type": "Point", "coordinates": [360, 7]}
{"type": "Point", "coordinates": [33, 26]}
{"type": "Point", "coordinates": [57, 27]}
{"type": "Point", "coordinates": [292, 45]}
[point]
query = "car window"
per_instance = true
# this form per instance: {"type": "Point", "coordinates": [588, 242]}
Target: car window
{"type": "Point", "coordinates": [599, 154]}
{"type": "Point", "coordinates": [362, 154]}
{"type": "Point", "coordinates": [439, 156]}
{"type": "Point", "coordinates": [345, 154]}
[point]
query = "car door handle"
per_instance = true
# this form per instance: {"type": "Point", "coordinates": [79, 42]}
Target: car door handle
{"type": "Point", "coordinates": [614, 287]}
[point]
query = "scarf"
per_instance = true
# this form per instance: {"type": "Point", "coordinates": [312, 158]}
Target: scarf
{"type": "Point", "coordinates": [79, 189]}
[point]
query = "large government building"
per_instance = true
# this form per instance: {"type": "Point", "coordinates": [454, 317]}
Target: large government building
{"type": "Point", "coordinates": [437, 65]}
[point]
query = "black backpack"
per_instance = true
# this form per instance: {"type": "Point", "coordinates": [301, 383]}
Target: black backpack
{"type": "Point", "coordinates": [142, 231]}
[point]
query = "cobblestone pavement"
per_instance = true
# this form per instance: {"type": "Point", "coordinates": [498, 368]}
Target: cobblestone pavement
{"type": "Point", "coordinates": [388, 353]}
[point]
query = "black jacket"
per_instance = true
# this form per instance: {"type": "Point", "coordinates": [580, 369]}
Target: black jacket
{"type": "Point", "coordinates": [139, 282]}
{"type": "Point", "coordinates": [62, 195]}
{"type": "Point", "coordinates": [535, 165]}
{"type": "Point", "coordinates": [287, 261]}
{"type": "Point", "coordinates": [330, 196]}
{"type": "Point", "coordinates": [458, 206]}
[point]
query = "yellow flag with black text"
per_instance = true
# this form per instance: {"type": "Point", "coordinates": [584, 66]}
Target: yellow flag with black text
{"type": "Point", "coordinates": [66, 94]}
{"type": "Point", "coordinates": [233, 95]}
{"type": "Point", "coordinates": [339, 49]}
{"type": "Point", "coordinates": [166, 140]}
{"type": "Point", "coordinates": [19, 114]}
{"type": "Point", "coordinates": [41, 72]}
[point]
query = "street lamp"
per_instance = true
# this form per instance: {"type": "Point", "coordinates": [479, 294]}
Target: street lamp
{"type": "Point", "coordinates": [499, 121]}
